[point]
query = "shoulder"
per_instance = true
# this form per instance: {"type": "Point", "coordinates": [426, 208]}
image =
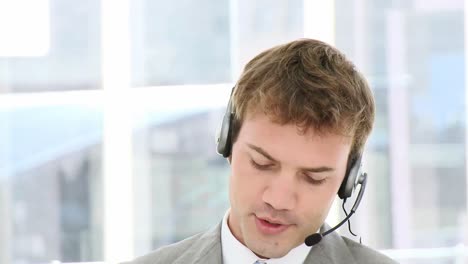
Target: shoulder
{"type": "Point", "coordinates": [167, 254]}
{"type": "Point", "coordinates": [364, 254]}
{"type": "Point", "coordinates": [189, 248]}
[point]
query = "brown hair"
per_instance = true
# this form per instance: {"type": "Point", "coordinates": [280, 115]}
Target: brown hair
{"type": "Point", "coordinates": [308, 83]}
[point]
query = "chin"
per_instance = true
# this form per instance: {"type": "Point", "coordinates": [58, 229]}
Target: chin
{"type": "Point", "coordinates": [271, 253]}
{"type": "Point", "coordinates": [271, 248]}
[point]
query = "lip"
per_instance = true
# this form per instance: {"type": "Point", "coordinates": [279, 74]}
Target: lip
{"type": "Point", "coordinates": [270, 229]}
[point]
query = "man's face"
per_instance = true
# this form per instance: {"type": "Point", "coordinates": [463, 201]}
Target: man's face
{"type": "Point", "coordinates": [283, 184]}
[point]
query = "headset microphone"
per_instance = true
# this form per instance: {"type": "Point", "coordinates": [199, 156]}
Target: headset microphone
{"type": "Point", "coordinates": [317, 237]}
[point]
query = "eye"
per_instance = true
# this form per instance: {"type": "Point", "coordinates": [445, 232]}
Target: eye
{"type": "Point", "coordinates": [313, 181]}
{"type": "Point", "coordinates": [260, 166]}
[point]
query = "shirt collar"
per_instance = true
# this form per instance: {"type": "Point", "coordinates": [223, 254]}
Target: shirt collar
{"type": "Point", "coordinates": [235, 252]}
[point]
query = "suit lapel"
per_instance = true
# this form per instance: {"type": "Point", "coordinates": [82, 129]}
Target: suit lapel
{"type": "Point", "coordinates": [331, 250]}
{"type": "Point", "coordinates": [208, 249]}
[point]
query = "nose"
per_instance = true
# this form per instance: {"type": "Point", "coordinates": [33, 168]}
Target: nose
{"type": "Point", "coordinates": [280, 193]}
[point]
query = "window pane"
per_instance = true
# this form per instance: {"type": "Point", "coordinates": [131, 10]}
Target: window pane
{"type": "Point", "coordinates": [50, 197]}
{"type": "Point", "coordinates": [181, 183]}
{"type": "Point", "coordinates": [264, 24]}
{"type": "Point", "coordinates": [73, 57]}
{"type": "Point", "coordinates": [183, 42]}
{"type": "Point", "coordinates": [413, 55]}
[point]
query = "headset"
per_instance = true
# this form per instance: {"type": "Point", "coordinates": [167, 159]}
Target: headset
{"type": "Point", "coordinates": [354, 175]}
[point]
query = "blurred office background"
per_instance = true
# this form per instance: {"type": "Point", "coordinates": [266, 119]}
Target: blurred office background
{"type": "Point", "coordinates": [108, 111]}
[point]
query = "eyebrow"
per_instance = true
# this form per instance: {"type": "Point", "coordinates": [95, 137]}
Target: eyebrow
{"type": "Point", "coordinates": [268, 156]}
{"type": "Point", "coordinates": [261, 151]}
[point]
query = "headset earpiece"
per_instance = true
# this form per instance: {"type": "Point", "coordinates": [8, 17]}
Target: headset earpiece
{"type": "Point", "coordinates": [223, 136]}
{"type": "Point", "coordinates": [350, 180]}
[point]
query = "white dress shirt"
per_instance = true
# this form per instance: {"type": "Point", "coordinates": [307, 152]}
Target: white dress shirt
{"type": "Point", "coordinates": [234, 252]}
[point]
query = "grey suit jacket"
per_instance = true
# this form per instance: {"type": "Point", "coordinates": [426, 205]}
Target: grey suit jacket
{"type": "Point", "coordinates": [205, 248]}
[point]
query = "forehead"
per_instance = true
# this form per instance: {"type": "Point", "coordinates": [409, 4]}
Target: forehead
{"type": "Point", "coordinates": [291, 143]}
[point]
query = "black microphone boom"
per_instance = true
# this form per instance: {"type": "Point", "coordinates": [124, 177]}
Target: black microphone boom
{"type": "Point", "coordinates": [317, 237]}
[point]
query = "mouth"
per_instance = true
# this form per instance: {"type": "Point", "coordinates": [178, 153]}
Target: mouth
{"type": "Point", "coordinates": [269, 226]}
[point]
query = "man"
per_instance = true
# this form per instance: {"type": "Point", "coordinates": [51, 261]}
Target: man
{"type": "Point", "coordinates": [297, 121]}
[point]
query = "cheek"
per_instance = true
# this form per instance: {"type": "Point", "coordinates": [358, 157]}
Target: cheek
{"type": "Point", "coordinates": [318, 202]}
{"type": "Point", "coordinates": [245, 186]}
{"type": "Point", "coordinates": [237, 179]}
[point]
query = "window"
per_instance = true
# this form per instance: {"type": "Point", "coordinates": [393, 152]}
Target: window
{"type": "Point", "coordinates": [107, 123]}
